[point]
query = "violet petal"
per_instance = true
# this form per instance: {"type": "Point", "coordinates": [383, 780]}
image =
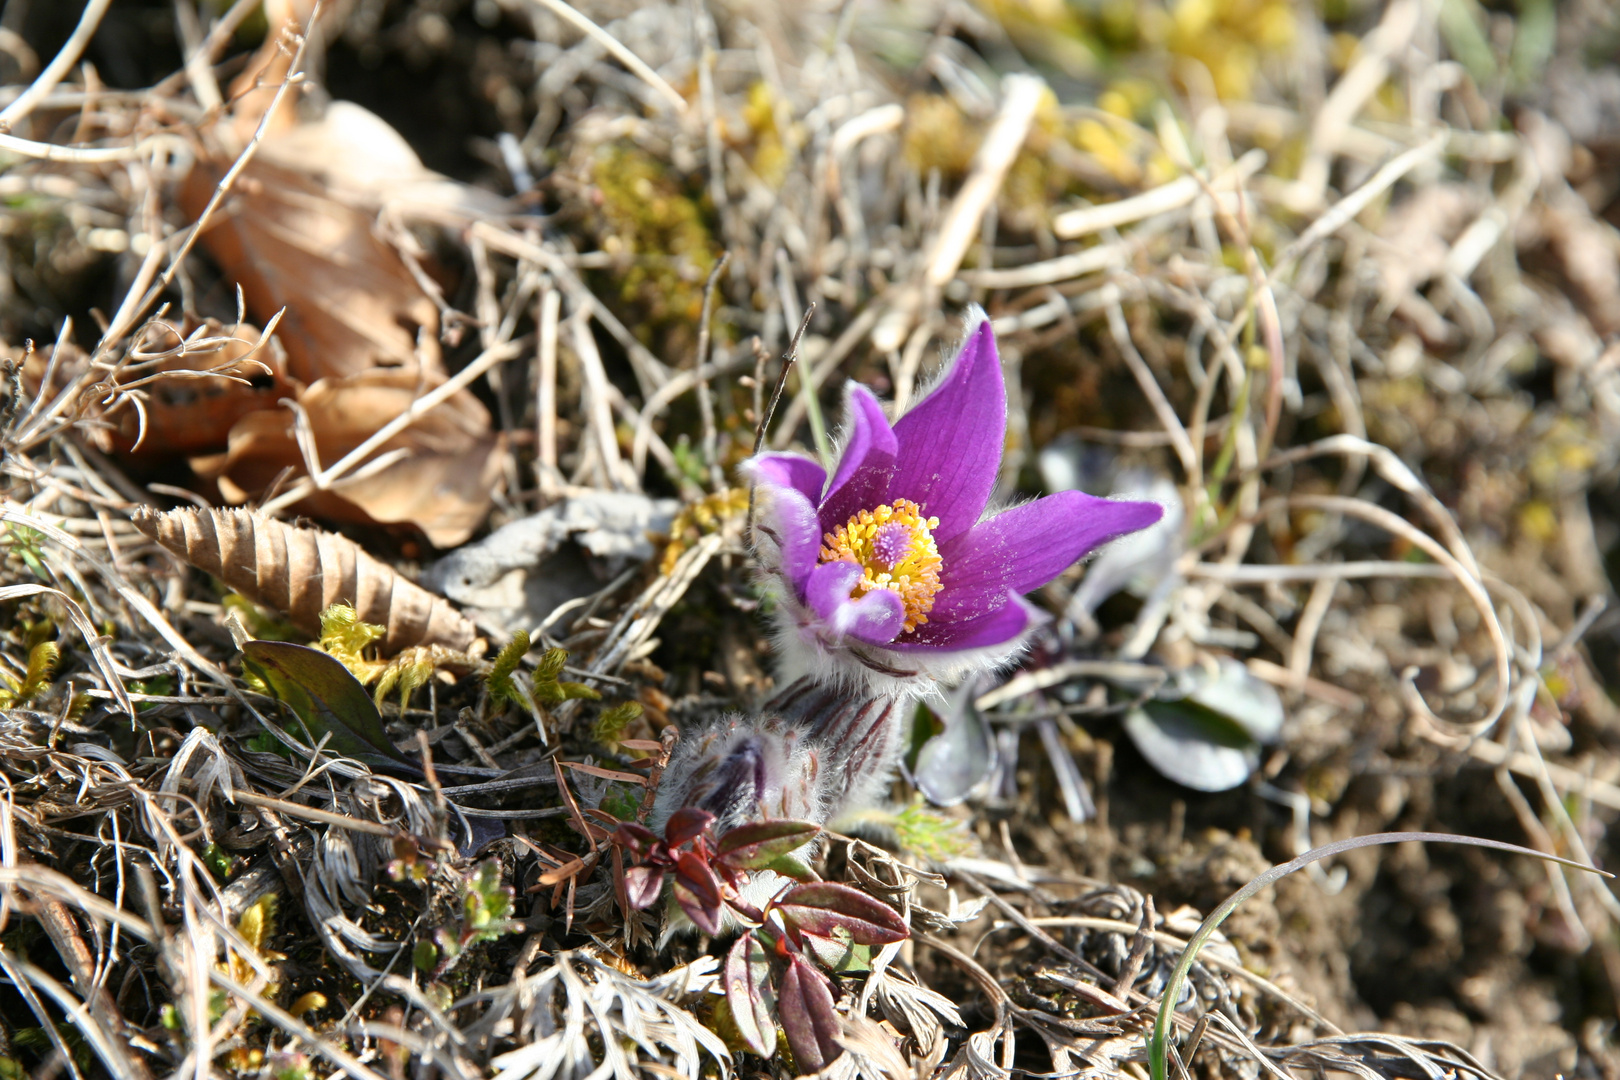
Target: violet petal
{"type": "Point", "coordinates": [789, 470]}
{"type": "Point", "coordinates": [951, 441]}
{"type": "Point", "coordinates": [1025, 547]}
{"type": "Point", "coordinates": [999, 626]}
{"type": "Point", "coordinates": [866, 465]}
{"type": "Point", "coordinates": [787, 516]}
{"type": "Point", "coordinates": [876, 617]}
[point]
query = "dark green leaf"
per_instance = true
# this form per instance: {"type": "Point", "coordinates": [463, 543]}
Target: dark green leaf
{"type": "Point", "coordinates": [425, 956]}
{"type": "Point", "coordinates": [839, 952]}
{"type": "Point", "coordinates": [791, 866]}
{"type": "Point", "coordinates": [325, 696]}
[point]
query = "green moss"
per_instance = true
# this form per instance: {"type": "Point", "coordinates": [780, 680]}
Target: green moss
{"type": "Point", "coordinates": [659, 224]}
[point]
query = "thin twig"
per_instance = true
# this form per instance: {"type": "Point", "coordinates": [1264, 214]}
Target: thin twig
{"type": "Point", "coordinates": [788, 360]}
{"type": "Point", "coordinates": [711, 445]}
{"type": "Point", "coordinates": [614, 46]}
{"type": "Point", "coordinates": [58, 68]}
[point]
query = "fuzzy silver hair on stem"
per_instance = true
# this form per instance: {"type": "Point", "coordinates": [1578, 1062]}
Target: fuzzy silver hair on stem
{"type": "Point", "coordinates": [744, 769]}
{"type": "Point", "coordinates": [817, 752]}
{"type": "Point", "coordinates": [862, 735]}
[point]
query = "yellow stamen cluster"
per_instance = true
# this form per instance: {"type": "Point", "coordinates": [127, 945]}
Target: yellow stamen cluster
{"type": "Point", "coordinates": [894, 546]}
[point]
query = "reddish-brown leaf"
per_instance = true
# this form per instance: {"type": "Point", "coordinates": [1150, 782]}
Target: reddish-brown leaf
{"type": "Point", "coordinates": [685, 824]}
{"type": "Point", "coordinates": [805, 1006]}
{"type": "Point", "coordinates": [823, 907]}
{"type": "Point", "coordinates": [697, 890]}
{"type": "Point", "coordinates": [642, 884]}
{"type": "Point", "coordinates": [757, 844]}
{"type": "Point", "coordinates": [751, 995]}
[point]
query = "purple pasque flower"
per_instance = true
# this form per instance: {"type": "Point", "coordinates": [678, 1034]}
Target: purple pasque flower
{"type": "Point", "coordinates": [892, 569]}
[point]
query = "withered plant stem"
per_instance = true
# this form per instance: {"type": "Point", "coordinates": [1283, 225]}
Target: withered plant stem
{"type": "Point", "coordinates": [788, 360]}
{"type": "Point", "coordinates": [711, 445]}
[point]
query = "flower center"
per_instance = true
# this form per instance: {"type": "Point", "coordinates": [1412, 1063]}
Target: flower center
{"type": "Point", "coordinates": [894, 546]}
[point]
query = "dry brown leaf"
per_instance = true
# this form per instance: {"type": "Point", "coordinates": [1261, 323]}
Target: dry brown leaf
{"type": "Point", "coordinates": [442, 485]}
{"type": "Point", "coordinates": [305, 232]}
{"type": "Point", "coordinates": [185, 384]}
{"type": "Point", "coordinates": [301, 572]}
{"type": "Point", "coordinates": [189, 406]}
{"type": "Point", "coordinates": [252, 91]}
{"type": "Point", "coordinates": [351, 303]}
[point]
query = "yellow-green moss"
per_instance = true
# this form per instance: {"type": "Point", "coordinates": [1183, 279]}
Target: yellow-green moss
{"type": "Point", "coordinates": [661, 227]}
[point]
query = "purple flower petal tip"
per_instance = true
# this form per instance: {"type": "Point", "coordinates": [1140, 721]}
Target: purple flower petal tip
{"type": "Point", "coordinates": [790, 471]}
{"type": "Point", "coordinates": [951, 441]}
{"type": "Point", "coordinates": [1131, 516]}
{"type": "Point", "coordinates": [867, 463]}
{"type": "Point", "coordinates": [1003, 625]}
{"type": "Point", "coordinates": [874, 618]}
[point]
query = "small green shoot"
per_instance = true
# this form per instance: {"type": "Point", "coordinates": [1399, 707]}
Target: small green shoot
{"type": "Point", "coordinates": [42, 660]}
{"type": "Point", "coordinates": [486, 908]}
{"type": "Point", "coordinates": [501, 680]}
{"type": "Point", "coordinates": [932, 835]}
{"type": "Point", "coordinates": [221, 863]}
{"type": "Point", "coordinates": [508, 685]}
{"type": "Point", "coordinates": [28, 545]}
{"type": "Point", "coordinates": [346, 638]}
{"type": "Point", "coordinates": [611, 725]}
{"type": "Point", "coordinates": [408, 672]}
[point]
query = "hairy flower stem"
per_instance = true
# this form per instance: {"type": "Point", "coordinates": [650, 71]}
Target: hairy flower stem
{"type": "Point", "coordinates": [861, 734]}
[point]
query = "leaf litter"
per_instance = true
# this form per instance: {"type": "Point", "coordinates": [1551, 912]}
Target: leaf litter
{"type": "Point", "coordinates": [1335, 283]}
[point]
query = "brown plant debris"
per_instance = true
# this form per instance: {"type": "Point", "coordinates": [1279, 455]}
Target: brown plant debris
{"type": "Point", "coordinates": [302, 572]}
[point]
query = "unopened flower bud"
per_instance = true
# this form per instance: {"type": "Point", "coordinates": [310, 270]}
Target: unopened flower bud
{"type": "Point", "coordinates": [741, 769]}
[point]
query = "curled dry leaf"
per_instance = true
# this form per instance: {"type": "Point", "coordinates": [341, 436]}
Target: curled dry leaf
{"type": "Point", "coordinates": [301, 572]}
{"type": "Point", "coordinates": [313, 229]}
{"type": "Point", "coordinates": [448, 461]}
{"type": "Point", "coordinates": [351, 302]}
{"type": "Point", "coordinates": [193, 379]}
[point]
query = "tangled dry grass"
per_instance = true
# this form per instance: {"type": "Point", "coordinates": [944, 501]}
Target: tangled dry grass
{"type": "Point", "coordinates": [1347, 279]}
